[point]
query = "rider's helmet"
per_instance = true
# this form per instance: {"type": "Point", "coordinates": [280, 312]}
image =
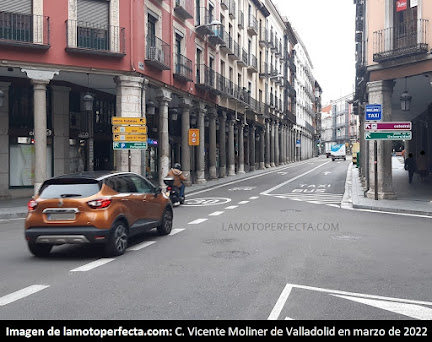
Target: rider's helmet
{"type": "Point", "coordinates": [177, 166]}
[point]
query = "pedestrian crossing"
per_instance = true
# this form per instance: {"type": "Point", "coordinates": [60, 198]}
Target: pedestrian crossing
{"type": "Point", "coordinates": [333, 200]}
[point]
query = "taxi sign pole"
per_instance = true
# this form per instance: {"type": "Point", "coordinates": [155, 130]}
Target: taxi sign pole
{"type": "Point", "coordinates": [375, 112]}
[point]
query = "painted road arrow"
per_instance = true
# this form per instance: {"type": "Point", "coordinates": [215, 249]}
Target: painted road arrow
{"type": "Point", "coordinates": [388, 135]}
{"type": "Point", "coordinates": [388, 126]}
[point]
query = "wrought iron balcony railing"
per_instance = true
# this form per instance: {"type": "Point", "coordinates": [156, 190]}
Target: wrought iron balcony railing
{"type": "Point", "coordinates": [264, 70]}
{"type": "Point", "coordinates": [218, 34]}
{"type": "Point", "coordinates": [225, 4]}
{"type": "Point", "coordinates": [405, 39]}
{"type": "Point", "coordinates": [158, 53]}
{"type": "Point", "coordinates": [227, 45]}
{"type": "Point", "coordinates": [243, 60]}
{"type": "Point", "coordinates": [240, 19]}
{"type": "Point", "coordinates": [183, 68]}
{"type": "Point", "coordinates": [203, 20]}
{"type": "Point", "coordinates": [232, 9]}
{"type": "Point", "coordinates": [85, 37]}
{"type": "Point", "coordinates": [24, 30]}
{"type": "Point", "coordinates": [253, 62]}
{"type": "Point", "coordinates": [236, 53]}
{"type": "Point", "coordinates": [253, 25]}
{"type": "Point", "coordinates": [263, 37]}
{"type": "Point", "coordinates": [205, 77]}
{"type": "Point", "coordinates": [184, 8]}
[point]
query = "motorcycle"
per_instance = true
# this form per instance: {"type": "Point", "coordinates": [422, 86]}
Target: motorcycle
{"type": "Point", "coordinates": [173, 192]}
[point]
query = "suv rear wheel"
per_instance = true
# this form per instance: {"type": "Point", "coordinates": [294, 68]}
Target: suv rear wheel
{"type": "Point", "coordinates": [166, 224]}
{"type": "Point", "coordinates": [40, 250]}
{"type": "Point", "coordinates": [117, 242]}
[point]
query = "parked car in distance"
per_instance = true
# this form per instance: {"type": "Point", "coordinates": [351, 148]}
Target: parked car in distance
{"type": "Point", "coordinates": [104, 207]}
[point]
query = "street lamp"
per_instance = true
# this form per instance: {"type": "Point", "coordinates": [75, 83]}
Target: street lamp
{"type": "Point", "coordinates": [88, 98]}
{"type": "Point", "coordinates": [151, 108]}
{"type": "Point", "coordinates": [405, 99]}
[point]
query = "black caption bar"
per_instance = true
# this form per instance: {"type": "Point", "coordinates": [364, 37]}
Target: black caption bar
{"type": "Point", "coordinates": [214, 329]}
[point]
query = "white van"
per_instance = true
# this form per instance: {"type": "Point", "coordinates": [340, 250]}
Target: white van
{"type": "Point", "coordinates": [338, 151]}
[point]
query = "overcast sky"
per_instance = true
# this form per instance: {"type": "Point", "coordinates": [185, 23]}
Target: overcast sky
{"type": "Point", "coordinates": [327, 30]}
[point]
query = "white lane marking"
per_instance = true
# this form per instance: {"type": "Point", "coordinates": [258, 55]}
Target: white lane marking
{"type": "Point", "coordinates": [176, 231]}
{"type": "Point", "coordinates": [141, 245]}
{"type": "Point", "coordinates": [216, 213]}
{"type": "Point", "coordinates": [243, 202]}
{"type": "Point", "coordinates": [198, 221]}
{"type": "Point", "coordinates": [12, 297]}
{"type": "Point", "coordinates": [245, 179]}
{"type": "Point", "coordinates": [289, 319]}
{"type": "Point", "coordinates": [410, 310]}
{"type": "Point", "coordinates": [231, 207]}
{"type": "Point", "coordinates": [388, 212]}
{"type": "Point", "coordinates": [92, 265]}
{"type": "Point", "coordinates": [253, 197]}
{"type": "Point", "coordinates": [292, 179]}
{"type": "Point", "coordinates": [280, 303]}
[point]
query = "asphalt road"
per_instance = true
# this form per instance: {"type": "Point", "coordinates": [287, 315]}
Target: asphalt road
{"type": "Point", "coordinates": [271, 246]}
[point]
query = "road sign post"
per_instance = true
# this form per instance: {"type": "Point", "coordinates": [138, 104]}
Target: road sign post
{"type": "Point", "coordinates": [373, 112]}
{"type": "Point", "coordinates": [405, 135]}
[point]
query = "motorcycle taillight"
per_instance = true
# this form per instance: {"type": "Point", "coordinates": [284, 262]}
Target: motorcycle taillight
{"type": "Point", "coordinates": [169, 188]}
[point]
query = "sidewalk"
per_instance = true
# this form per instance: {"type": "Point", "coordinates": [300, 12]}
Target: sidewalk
{"type": "Point", "coordinates": [415, 198]}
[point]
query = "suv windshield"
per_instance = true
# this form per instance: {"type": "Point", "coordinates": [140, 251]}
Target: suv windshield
{"type": "Point", "coordinates": [69, 190]}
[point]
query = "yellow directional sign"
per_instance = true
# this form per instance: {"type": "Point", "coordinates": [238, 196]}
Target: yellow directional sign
{"type": "Point", "coordinates": [130, 137]}
{"type": "Point", "coordinates": [117, 120]}
{"type": "Point", "coordinates": [130, 129]}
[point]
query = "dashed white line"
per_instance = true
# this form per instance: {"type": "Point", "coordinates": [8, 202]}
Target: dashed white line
{"type": "Point", "coordinates": [253, 197]}
{"type": "Point", "coordinates": [92, 265]}
{"type": "Point", "coordinates": [243, 202]}
{"type": "Point", "coordinates": [198, 221]}
{"type": "Point", "coordinates": [280, 303]}
{"type": "Point", "coordinates": [216, 213]}
{"type": "Point", "coordinates": [176, 231]}
{"type": "Point", "coordinates": [141, 246]}
{"type": "Point", "coordinates": [21, 294]}
{"type": "Point", "coordinates": [231, 207]}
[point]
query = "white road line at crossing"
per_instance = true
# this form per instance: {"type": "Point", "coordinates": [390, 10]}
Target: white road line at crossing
{"type": "Point", "coordinates": [280, 303]}
{"type": "Point", "coordinates": [292, 179]}
{"type": "Point", "coordinates": [216, 213]}
{"type": "Point", "coordinates": [253, 197]}
{"type": "Point", "coordinates": [176, 231]}
{"type": "Point", "coordinates": [21, 294]}
{"type": "Point", "coordinates": [231, 207]}
{"type": "Point", "coordinates": [141, 245]}
{"type": "Point", "coordinates": [243, 202]}
{"type": "Point", "coordinates": [198, 221]}
{"type": "Point", "coordinates": [92, 265]}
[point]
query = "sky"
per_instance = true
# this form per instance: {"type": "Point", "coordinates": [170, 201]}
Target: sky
{"type": "Point", "coordinates": [327, 30]}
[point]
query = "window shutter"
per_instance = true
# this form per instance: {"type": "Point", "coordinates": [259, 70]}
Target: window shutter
{"type": "Point", "coordinates": [94, 11]}
{"type": "Point", "coordinates": [16, 6]}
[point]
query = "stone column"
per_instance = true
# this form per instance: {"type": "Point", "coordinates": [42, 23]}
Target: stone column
{"type": "Point", "coordinates": [282, 144]}
{"type": "Point", "coordinates": [4, 141]}
{"type": "Point", "coordinates": [128, 104]}
{"type": "Point", "coordinates": [252, 130]}
{"type": "Point", "coordinates": [164, 98]}
{"type": "Point", "coordinates": [267, 144]}
{"type": "Point", "coordinates": [240, 132]}
{"type": "Point", "coordinates": [277, 150]}
{"type": "Point", "coordinates": [60, 117]}
{"type": "Point", "coordinates": [247, 149]}
{"type": "Point", "coordinates": [144, 159]}
{"type": "Point", "coordinates": [262, 149]}
{"type": "Point", "coordinates": [380, 92]}
{"type": "Point", "coordinates": [222, 145]}
{"type": "Point", "coordinates": [272, 144]}
{"type": "Point", "coordinates": [186, 105]}
{"type": "Point", "coordinates": [201, 148]}
{"type": "Point", "coordinates": [212, 143]}
{"type": "Point", "coordinates": [231, 150]}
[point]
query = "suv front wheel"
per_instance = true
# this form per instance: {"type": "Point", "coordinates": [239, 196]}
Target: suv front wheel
{"type": "Point", "coordinates": [118, 241]}
{"type": "Point", "coordinates": [166, 224]}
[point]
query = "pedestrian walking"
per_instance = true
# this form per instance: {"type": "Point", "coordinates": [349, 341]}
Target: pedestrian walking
{"type": "Point", "coordinates": [422, 166]}
{"type": "Point", "coordinates": [410, 166]}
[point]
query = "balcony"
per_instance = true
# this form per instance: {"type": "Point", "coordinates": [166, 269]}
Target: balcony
{"type": "Point", "coordinates": [263, 37]}
{"type": "Point", "coordinates": [227, 46]}
{"type": "Point", "coordinates": [182, 68]}
{"type": "Point", "coordinates": [252, 25]}
{"type": "Point", "coordinates": [89, 38]}
{"type": "Point", "coordinates": [290, 116]}
{"type": "Point", "coordinates": [205, 78]}
{"type": "Point", "coordinates": [225, 4]}
{"type": "Point", "coordinates": [236, 54]}
{"type": "Point", "coordinates": [217, 38]}
{"type": "Point", "coordinates": [158, 54]}
{"type": "Point", "coordinates": [184, 9]}
{"type": "Point", "coordinates": [203, 21]}
{"type": "Point", "coordinates": [406, 39]}
{"type": "Point", "coordinates": [241, 94]}
{"type": "Point", "coordinates": [24, 30]}
{"type": "Point", "coordinates": [243, 61]}
{"type": "Point", "coordinates": [264, 70]}
{"type": "Point", "coordinates": [240, 19]}
{"type": "Point", "coordinates": [220, 85]}
{"type": "Point", "coordinates": [252, 63]}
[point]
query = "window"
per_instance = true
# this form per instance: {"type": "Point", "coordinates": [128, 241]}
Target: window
{"type": "Point", "coordinates": [142, 186]}
{"type": "Point", "coordinates": [93, 24]}
{"type": "Point", "coordinates": [151, 30]}
{"type": "Point", "coordinates": [178, 50]}
{"type": "Point", "coordinates": [16, 21]}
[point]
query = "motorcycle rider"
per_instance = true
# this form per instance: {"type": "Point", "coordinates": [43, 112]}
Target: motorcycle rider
{"type": "Point", "coordinates": [177, 173]}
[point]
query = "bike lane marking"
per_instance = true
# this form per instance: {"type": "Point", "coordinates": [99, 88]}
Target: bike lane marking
{"type": "Point", "coordinates": [12, 297]}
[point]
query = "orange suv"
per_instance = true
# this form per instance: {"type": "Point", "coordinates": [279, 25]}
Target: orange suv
{"type": "Point", "coordinates": [95, 207]}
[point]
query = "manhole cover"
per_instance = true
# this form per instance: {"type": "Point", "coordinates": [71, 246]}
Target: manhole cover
{"type": "Point", "coordinates": [217, 241]}
{"type": "Point", "coordinates": [346, 237]}
{"type": "Point", "coordinates": [230, 255]}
